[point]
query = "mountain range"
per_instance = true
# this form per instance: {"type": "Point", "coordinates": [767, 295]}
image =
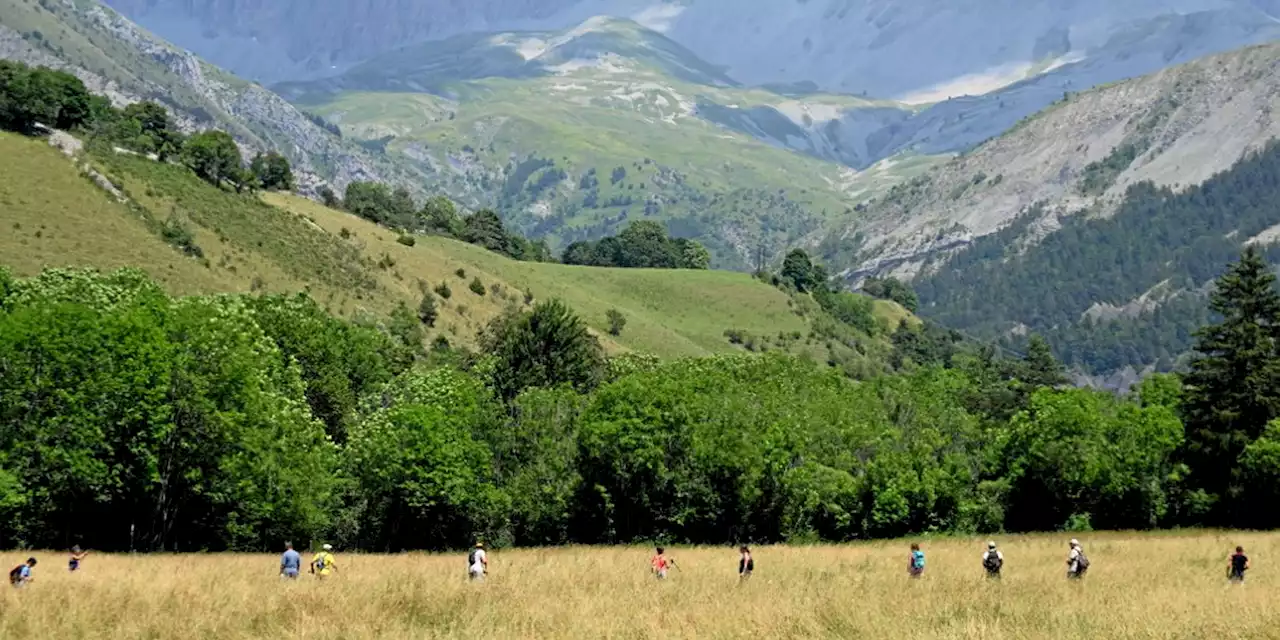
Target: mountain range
{"type": "Point", "coordinates": [909, 137]}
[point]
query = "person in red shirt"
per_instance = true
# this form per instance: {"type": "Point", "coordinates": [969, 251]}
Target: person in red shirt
{"type": "Point", "coordinates": [661, 563]}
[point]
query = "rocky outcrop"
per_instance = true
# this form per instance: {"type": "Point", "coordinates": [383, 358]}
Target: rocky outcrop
{"type": "Point", "coordinates": [1174, 128]}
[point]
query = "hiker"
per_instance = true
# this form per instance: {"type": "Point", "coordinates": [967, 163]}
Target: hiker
{"type": "Point", "coordinates": [290, 562]}
{"type": "Point", "coordinates": [1237, 564]}
{"type": "Point", "coordinates": [661, 563]}
{"type": "Point", "coordinates": [992, 560]}
{"type": "Point", "coordinates": [323, 564]}
{"type": "Point", "coordinates": [20, 576]}
{"type": "Point", "coordinates": [478, 563]}
{"type": "Point", "coordinates": [746, 564]}
{"type": "Point", "coordinates": [1077, 561]}
{"type": "Point", "coordinates": [915, 562]}
{"type": "Point", "coordinates": [77, 556]}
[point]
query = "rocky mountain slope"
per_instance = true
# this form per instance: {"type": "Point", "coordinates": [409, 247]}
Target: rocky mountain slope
{"type": "Point", "coordinates": [1175, 128]}
{"type": "Point", "coordinates": [117, 58]}
{"type": "Point", "coordinates": [1099, 224]}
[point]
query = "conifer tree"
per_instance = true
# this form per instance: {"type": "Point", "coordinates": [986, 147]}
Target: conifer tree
{"type": "Point", "coordinates": [1233, 388]}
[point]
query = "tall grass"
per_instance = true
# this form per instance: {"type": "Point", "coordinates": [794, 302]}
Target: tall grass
{"type": "Point", "coordinates": [1140, 586]}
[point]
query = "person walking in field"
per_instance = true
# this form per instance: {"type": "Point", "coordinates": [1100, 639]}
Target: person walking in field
{"type": "Point", "coordinates": [478, 563]}
{"type": "Point", "coordinates": [660, 563]}
{"type": "Point", "coordinates": [1077, 561]}
{"type": "Point", "coordinates": [290, 562]}
{"type": "Point", "coordinates": [1237, 564]}
{"type": "Point", "coordinates": [77, 556]}
{"type": "Point", "coordinates": [746, 564]}
{"type": "Point", "coordinates": [323, 564]}
{"type": "Point", "coordinates": [992, 561]}
{"type": "Point", "coordinates": [915, 561]}
{"type": "Point", "coordinates": [20, 576]}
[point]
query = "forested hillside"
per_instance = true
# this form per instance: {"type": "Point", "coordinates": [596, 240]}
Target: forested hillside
{"type": "Point", "coordinates": [1116, 291]}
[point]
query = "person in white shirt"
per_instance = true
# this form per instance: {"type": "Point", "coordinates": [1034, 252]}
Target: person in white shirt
{"type": "Point", "coordinates": [992, 560]}
{"type": "Point", "coordinates": [478, 563]}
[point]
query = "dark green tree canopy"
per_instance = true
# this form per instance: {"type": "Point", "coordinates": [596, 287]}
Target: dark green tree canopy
{"type": "Point", "coordinates": [214, 156]}
{"type": "Point", "coordinates": [545, 347]}
{"type": "Point", "coordinates": [272, 171]}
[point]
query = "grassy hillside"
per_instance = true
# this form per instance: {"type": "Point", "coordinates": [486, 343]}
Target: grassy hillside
{"type": "Point", "coordinates": [669, 312]}
{"type": "Point", "coordinates": [283, 243]}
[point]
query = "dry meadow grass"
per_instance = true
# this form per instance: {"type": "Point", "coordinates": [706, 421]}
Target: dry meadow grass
{"type": "Point", "coordinates": [1140, 586]}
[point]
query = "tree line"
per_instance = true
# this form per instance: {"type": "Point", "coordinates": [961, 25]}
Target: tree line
{"type": "Point", "coordinates": [642, 245]}
{"type": "Point", "coordinates": [32, 97]}
{"type": "Point", "coordinates": [130, 419]}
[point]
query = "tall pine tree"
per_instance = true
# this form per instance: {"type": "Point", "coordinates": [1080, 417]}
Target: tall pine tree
{"type": "Point", "coordinates": [1233, 388]}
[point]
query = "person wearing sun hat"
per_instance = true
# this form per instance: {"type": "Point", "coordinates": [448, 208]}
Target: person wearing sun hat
{"type": "Point", "coordinates": [992, 560]}
{"type": "Point", "coordinates": [1077, 561]}
{"type": "Point", "coordinates": [477, 562]}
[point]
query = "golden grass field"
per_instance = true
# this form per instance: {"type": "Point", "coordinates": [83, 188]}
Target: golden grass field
{"type": "Point", "coordinates": [1140, 586]}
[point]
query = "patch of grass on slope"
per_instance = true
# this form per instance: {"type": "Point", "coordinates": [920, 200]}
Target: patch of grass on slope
{"type": "Point", "coordinates": [669, 312]}
{"type": "Point", "coordinates": [51, 216]}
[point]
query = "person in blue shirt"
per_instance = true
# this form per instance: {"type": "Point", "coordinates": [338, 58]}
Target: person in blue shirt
{"type": "Point", "coordinates": [21, 576]}
{"type": "Point", "coordinates": [915, 562]}
{"type": "Point", "coordinates": [290, 562]}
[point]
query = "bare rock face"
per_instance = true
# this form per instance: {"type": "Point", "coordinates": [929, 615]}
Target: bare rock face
{"type": "Point", "coordinates": [1174, 128]}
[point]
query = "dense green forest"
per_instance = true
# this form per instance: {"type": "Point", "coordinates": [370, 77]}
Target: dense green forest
{"type": "Point", "coordinates": [131, 419]}
{"type": "Point", "coordinates": [1170, 243]}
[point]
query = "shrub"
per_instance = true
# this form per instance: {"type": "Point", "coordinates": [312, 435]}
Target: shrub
{"type": "Point", "coordinates": [461, 273]}
{"type": "Point", "coordinates": [427, 312]}
{"type": "Point", "coordinates": [476, 286]}
{"type": "Point", "coordinates": [407, 240]}
{"type": "Point", "coordinates": [616, 322]}
{"type": "Point", "coordinates": [443, 290]}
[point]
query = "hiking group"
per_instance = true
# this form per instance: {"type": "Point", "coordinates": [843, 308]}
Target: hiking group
{"type": "Point", "coordinates": [993, 561]}
{"type": "Point", "coordinates": [324, 564]}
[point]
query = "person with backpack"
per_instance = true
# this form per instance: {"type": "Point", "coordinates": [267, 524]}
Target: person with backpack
{"type": "Point", "coordinates": [1077, 561]}
{"type": "Point", "coordinates": [478, 563]}
{"type": "Point", "coordinates": [323, 564]}
{"type": "Point", "coordinates": [992, 561]}
{"type": "Point", "coordinates": [77, 556]}
{"type": "Point", "coordinates": [746, 564]}
{"type": "Point", "coordinates": [660, 563]}
{"type": "Point", "coordinates": [915, 561]}
{"type": "Point", "coordinates": [20, 576]}
{"type": "Point", "coordinates": [290, 562]}
{"type": "Point", "coordinates": [1237, 564]}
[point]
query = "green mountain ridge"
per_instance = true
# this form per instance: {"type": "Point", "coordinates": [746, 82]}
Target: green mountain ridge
{"type": "Point", "coordinates": [569, 135]}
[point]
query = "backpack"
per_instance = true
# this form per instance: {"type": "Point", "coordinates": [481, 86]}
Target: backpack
{"type": "Point", "coordinates": [471, 558]}
{"type": "Point", "coordinates": [322, 561]}
{"type": "Point", "coordinates": [1082, 562]}
{"type": "Point", "coordinates": [917, 560]}
{"type": "Point", "coordinates": [993, 562]}
{"type": "Point", "coordinates": [15, 574]}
